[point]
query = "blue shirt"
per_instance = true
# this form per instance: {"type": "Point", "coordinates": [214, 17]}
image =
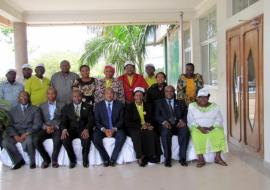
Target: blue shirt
{"type": "Point", "coordinates": [52, 107]}
{"type": "Point", "coordinates": [10, 92]}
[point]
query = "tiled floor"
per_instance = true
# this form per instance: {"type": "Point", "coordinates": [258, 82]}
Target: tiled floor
{"type": "Point", "coordinates": [238, 175]}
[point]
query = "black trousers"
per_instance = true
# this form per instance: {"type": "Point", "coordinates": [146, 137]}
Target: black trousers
{"type": "Point", "coordinates": [183, 140]}
{"type": "Point", "coordinates": [69, 148]}
{"type": "Point", "coordinates": [41, 137]}
{"type": "Point", "coordinates": [120, 139]}
{"type": "Point", "coordinates": [145, 143]}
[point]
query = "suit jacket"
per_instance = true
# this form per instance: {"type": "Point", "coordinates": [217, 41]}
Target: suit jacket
{"type": "Point", "coordinates": [132, 117]}
{"type": "Point", "coordinates": [30, 121]}
{"type": "Point", "coordinates": [101, 115]}
{"type": "Point", "coordinates": [70, 121]}
{"type": "Point", "coordinates": [46, 116]}
{"type": "Point", "coordinates": [138, 81]}
{"type": "Point", "coordinates": [162, 112]}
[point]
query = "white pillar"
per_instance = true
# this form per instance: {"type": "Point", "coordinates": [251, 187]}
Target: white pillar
{"type": "Point", "coordinates": [195, 44]}
{"type": "Point", "coordinates": [20, 43]}
{"type": "Point", "coordinates": [181, 41]}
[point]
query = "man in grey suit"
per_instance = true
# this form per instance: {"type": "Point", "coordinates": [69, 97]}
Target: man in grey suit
{"type": "Point", "coordinates": [25, 122]}
{"type": "Point", "coordinates": [50, 112]}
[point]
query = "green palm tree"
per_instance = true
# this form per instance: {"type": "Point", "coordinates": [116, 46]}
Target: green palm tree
{"type": "Point", "coordinates": [119, 44]}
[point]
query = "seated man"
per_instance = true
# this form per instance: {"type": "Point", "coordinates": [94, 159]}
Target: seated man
{"type": "Point", "coordinates": [171, 116]}
{"type": "Point", "coordinates": [50, 112]}
{"type": "Point", "coordinates": [77, 121]}
{"type": "Point", "coordinates": [109, 117]}
{"type": "Point", "coordinates": [25, 122]}
{"type": "Point", "coordinates": [206, 126]}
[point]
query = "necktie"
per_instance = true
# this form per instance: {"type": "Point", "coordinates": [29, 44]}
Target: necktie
{"type": "Point", "coordinates": [77, 111]}
{"type": "Point", "coordinates": [109, 111]}
{"type": "Point", "coordinates": [24, 109]}
{"type": "Point", "coordinates": [172, 115]}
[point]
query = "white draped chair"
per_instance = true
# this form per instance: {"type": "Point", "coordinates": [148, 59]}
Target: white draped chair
{"type": "Point", "coordinates": [126, 155]}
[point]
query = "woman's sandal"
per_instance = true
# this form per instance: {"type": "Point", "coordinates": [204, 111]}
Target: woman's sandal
{"type": "Point", "coordinates": [200, 164]}
{"type": "Point", "coordinates": [221, 162]}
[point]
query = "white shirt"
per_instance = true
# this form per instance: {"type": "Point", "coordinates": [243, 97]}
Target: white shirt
{"type": "Point", "coordinates": [52, 108]}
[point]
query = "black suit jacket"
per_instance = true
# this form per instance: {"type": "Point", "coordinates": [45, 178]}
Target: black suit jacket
{"type": "Point", "coordinates": [101, 115]}
{"type": "Point", "coordinates": [162, 112]}
{"type": "Point", "coordinates": [69, 120]}
{"type": "Point", "coordinates": [132, 117]}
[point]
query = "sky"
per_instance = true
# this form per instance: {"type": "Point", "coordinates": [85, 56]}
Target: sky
{"type": "Point", "coordinates": [44, 39]}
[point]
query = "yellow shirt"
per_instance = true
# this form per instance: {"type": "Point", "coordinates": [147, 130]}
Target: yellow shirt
{"type": "Point", "coordinates": [108, 83]}
{"type": "Point", "coordinates": [141, 112]}
{"type": "Point", "coordinates": [190, 89]}
{"type": "Point", "coordinates": [150, 80]}
{"type": "Point", "coordinates": [37, 88]}
{"type": "Point", "coordinates": [130, 80]}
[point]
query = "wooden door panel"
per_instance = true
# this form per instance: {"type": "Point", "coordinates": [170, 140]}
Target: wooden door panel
{"type": "Point", "coordinates": [245, 85]}
{"type": "Point", "coordinates": [235, 81]}
{"type": "Point", "coordinates": [251, 61]}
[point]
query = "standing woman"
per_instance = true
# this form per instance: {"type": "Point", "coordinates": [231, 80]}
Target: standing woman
{"type": "Point", "coordinates": [189, 84]}
{"type": "Point", "coordinates": [109, 82]}
{"type": "Point", "coordinates": [139, 126]}
{"type": "Point", "coordinates": [86, 85]}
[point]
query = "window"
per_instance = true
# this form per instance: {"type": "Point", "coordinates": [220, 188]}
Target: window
{"type": "Point", "coordinates": [239, 5]}
{"type": "Point", "coordinates": [187, 46]}
{"type": "Point", "coordinates": [208, 42]}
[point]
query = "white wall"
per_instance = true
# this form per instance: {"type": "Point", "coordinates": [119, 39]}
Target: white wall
{"type": "Point", "coordinates": [266, 81]}
{"type": "Point", "coordinates": [224, 22]}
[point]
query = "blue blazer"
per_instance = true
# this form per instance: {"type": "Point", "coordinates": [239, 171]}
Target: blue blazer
{"type": "Point", "coordinates": [101, 115]}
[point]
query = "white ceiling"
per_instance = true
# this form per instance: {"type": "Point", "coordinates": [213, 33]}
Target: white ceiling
{"type": "Point", "coordinates": [98, 11]}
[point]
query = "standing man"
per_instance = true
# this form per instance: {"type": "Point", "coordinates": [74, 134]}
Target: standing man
{"type": "Point", "coordinates": [77, 121]}
{"type": "Point", "coordinates": [62, 81]}
{"type": "Point", "coordinates": [10, 89]}
{"type": "Point", "coordinates": [131, 80]}
{"type": "Point", "coordinates": [37, 86]}
{"type": "Point", "coordinates": [109, 117]}
{"type": "Point", "coordinates": [171, 116]}
{"type": "Point", "coordinates": [25, 123]}
{"type": "Point", "coordinates": [27, 73]}
{"type": "Point", "coordinates": [50, 112]}
{"type": "Point", "coordinates": [150, 78]}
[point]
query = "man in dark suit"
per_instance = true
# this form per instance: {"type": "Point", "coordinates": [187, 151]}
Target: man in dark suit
{"type": "Point", "coordinates": [77, 121]}
{"type": "Point", "coordinates": [25, 122]}
{"type": "Point", "coordinates": [171, 115]}
{"type": "Point", "coordinates": [50, 112]}
{"type": "Point", "coordinates": [109, 117]}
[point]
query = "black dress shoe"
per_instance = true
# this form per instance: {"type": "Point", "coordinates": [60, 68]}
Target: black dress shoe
{"type": "Point", "coordinates": [18, 165]}
{"type": "Point", "coordinates": [183, 163]}
{"type": "Point", "coordinates": [106, 163]}
{"type": "Point", "coordinates": [168, 164]}
{"type": "Point", "coordinates": [45, 164]}
{"type": "Point", "coordinates": [33, 166]}
{"type": "Point", "coordinates": [55, 165]}
{"type": "Point", "coordinates": [86, 164]}
{"type": "Point", "coordinates": [112, 163]}
{"type": "Point", "coordinates": [72, 165]}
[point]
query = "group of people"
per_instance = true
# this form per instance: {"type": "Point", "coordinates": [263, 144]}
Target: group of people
{"type": "Point", "coordinates": [143, 108]}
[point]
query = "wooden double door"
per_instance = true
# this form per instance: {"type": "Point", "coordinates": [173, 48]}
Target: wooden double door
{"type": "Point", "coordinates": [245, 85]}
